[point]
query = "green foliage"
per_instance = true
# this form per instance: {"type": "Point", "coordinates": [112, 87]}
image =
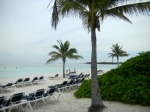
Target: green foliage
{"type": "Point", "coordinates": [129, 83]}
{"type": "Point", "coordinates": [84, 89]}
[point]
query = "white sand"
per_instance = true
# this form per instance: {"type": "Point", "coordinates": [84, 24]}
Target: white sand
{"type": "Point", "coordinates": [67, 102]}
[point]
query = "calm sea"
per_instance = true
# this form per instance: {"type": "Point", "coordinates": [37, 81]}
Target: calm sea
{"type": "Point", "coordinates": [49, 70]}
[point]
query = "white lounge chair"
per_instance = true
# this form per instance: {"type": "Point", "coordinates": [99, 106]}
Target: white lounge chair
{"type": "Point", "coordinates": [35, 80]}
{"type": "Point", "coordinates": [26, 81]}
{"type": "Point", "coordinates": [41, 79]}
{"type": "Point", "coordinates": [55, 77]}
{"type": "Point", "coordinates": [19, 82]}
{"type": "Point", "coordinates": [3, 88]}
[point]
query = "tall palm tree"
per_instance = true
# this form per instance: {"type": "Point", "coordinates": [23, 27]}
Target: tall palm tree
{"type": "Point", "coordinates": [63, 52]}
{"type": "Point", "coordinates": [117, 52]}
{"type": "Point", "coordinates": [92, 12]}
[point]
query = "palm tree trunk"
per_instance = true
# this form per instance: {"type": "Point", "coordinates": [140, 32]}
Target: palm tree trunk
{"type": "Point", "coordinates": [97, 103]}
{"type": "Point", "coordinates": [118, 60]}
{"type": "Point", "coordinates": [63, 69]}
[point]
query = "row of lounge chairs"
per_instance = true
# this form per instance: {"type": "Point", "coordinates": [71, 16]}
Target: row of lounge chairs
{"type": "Point", "coordinates": [27, 101]}
{"type": "Point", "coordinates": [35, 80]}
{"type": "Point", "coordinates": [27, 81]}
{"type": "Point", "coordinates": [22, 82]}
{"type": "Point", "coordinates": [81, 75]}
{"type": "Point", "coordinates": [68, 85]}
{"type": "Point", "coordinates": [24, 102]}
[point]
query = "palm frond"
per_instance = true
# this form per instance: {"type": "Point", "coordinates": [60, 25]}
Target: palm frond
{"type": "Point", "coordinates": [63, 47]}
{"type": "Point", "coordinates": [49, 3]}
{"type": "Point", "coordinates": [70, 7]}
{"type": "Point", "coordinates": [66, 46]}
{"type": "Point", "coordinates": [52, 60]}
{"type": "Point", "coordinates": [54, 53]}
{"type": "Point", "coordinates": [111, 54]}
{"type": "Point", "coordinates": [75, 57]}
{"type": "Point", "coordinates": [136, 8]}
{"type": "Point", "coordinates": [115, 14]}
{"type": "Point", "coordinates": [122, 55]}
{"type": "Point", "coordinates": [72, 50]}
{"type": "Point", "coordinates": [55, 17]}
{"type": "Point", "coordinates": [56, 47]}
{"type": "Point", "coordinates": [74, 8]}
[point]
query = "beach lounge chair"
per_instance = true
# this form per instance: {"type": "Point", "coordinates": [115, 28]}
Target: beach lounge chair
{"type": "Point", "coordinates": [26, 81]}
{"type": "Point", "coordinates": [55, 77]}
{"type": "Point", "coordinates": [52, 91]}
{"type": "Point", "coordinates": [19, 82]}
{"type": "Point", "coordinates": [1, 90]}
{"type": "Point", "coordinates": [14, 101]}
{"type": "Point", "coordinates": [41, 79]}
{"type": "Point", "coordinates": [49, 93]}
{"type": "Point", "coordinates": [87, 76]}
{"type": "Point", "coordinates": [7, 86]}
{"type": "Point", "coordinates": [16, 98]}
{"type": "Point", "coordinates": [35, 80]}
{"type": "Point", "coordinates": [70, 84]}
{"type": "Point", "coordinates": [75, 81]}
{"type": "Point", "coordinates": [35, 97]}
{"type": "Point", "coordinates": [82, 76]}
{"type": "Point", "coordinates": [61, 86]}
{"type": "Point", "coordinates": [2, 99]}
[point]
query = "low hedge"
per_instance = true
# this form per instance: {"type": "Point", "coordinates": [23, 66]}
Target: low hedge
{"type": "Point", "coordinates": [129, 83]}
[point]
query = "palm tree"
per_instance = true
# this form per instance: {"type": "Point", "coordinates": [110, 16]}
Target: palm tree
{"type": "Point", "coordinates": [63, 52]}
{"type": "Point", "coordinates": [92, 12]}
{"type": "Point", "coordinates": [117, 52]}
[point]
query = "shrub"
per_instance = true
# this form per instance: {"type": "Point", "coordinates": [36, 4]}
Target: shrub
{"type": "Point", "coordinates": [129, 83]}
{"type": "Point", "coordinates": [84, 90]}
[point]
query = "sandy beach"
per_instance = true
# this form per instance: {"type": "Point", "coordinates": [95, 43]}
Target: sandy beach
{"type": "Point", "coordinates": [67, 101]}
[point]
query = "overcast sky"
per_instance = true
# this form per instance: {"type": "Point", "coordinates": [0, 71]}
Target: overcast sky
{"type": "Point", "coordinates": [26, 35]}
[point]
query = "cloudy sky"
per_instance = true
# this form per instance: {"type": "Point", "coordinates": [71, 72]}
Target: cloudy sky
{"type": "Point", "coordinates": [26, 35]}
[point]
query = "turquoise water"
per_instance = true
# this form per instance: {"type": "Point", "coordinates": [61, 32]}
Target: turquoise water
{"type": "Point", "coordinates": [49, 70]}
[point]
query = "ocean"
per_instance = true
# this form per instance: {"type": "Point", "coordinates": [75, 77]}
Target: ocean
{"type": "Point", "coordinates": [49, 70]}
